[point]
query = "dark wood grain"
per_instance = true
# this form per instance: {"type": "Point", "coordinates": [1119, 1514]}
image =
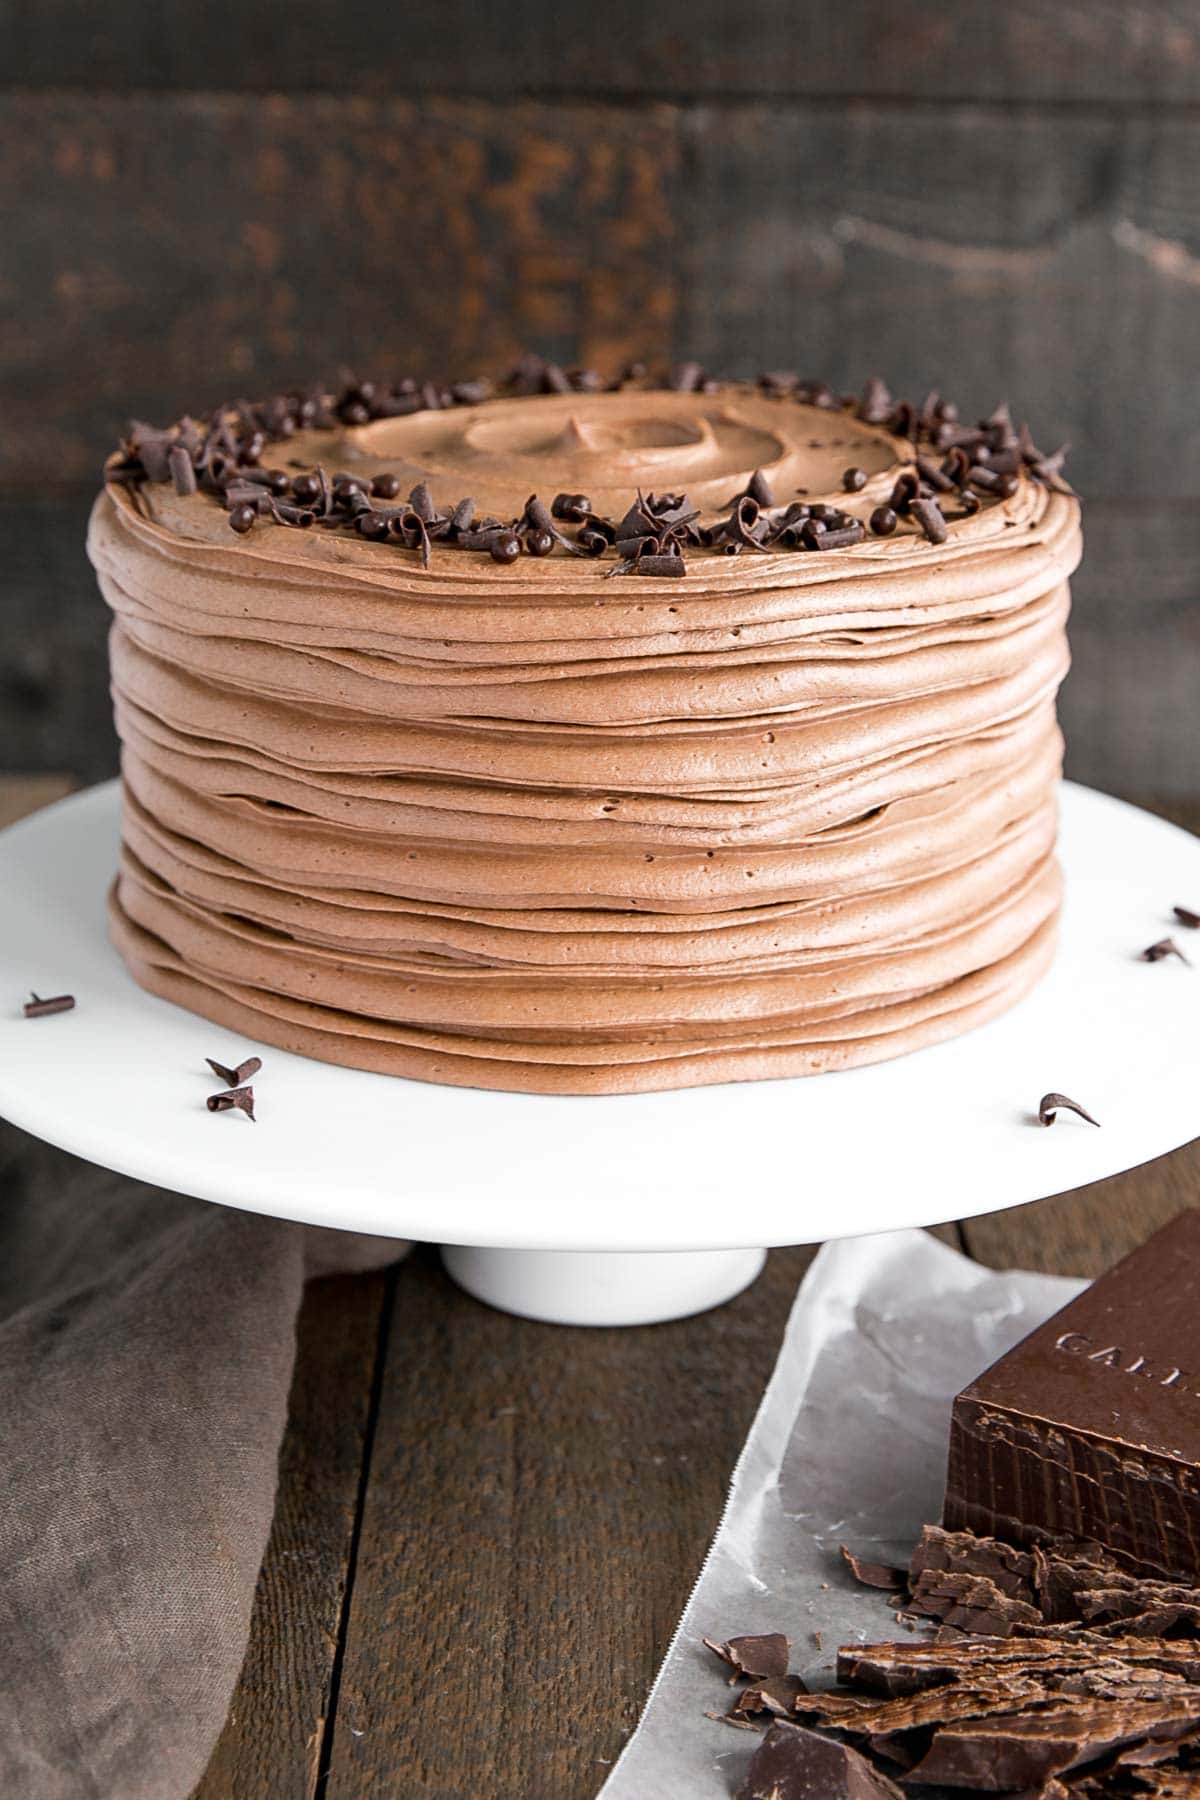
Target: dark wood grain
{"type": "Point", "coordinates": [1054, 258]}
{"type": "Point", "coordinates": [272, 1740]}
{"type": "Point", "coordinates": [186, 248]}
{"type": "Point", "coordinates": [539, 1504]}
{"type": "Point", "coordinates": [1073, 52]}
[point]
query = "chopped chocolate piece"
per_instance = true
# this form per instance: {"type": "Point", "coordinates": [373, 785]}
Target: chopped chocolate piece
{"type": "Point", "coordinates": [794, 1764]}
{"type": "Point", "coordinates": [778, 1695]}
{"type": "Point", "coordinates": [765, 1654]}
{"type": "Point", "coordinates": [235, 1077]}
{"type": "Point", "coordinates": [1187, 917]}
{"type": "Point", "coordinates": [1050, 1105]}
{"type": "Point", "coordinates": [971, 1602]}
{"type": "Point", "coordinates": [872, 1574]}
{"type": "Point", "coordinates": [241, 1098]}
{"type": "Point", "coordinates": [1164, 947]}
{"type": "Point", "coordinates": [1002, 1754]}
{"type": "Point", "coordinates": [37, 1008]}
{"type": "Point", "coordinates": [930, 518]}
{"type": "Point", "coordinates": [1010, 1570]}
{"type": "Point", "coordinates": [739, 1720]}
{"type": "Point", "coordinates": [1090, 1428]}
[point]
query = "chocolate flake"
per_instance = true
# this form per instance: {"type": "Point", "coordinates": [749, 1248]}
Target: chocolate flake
{"type": "Point", "coordinates": [37, 1008]}
{"type": "Point", "coordinates": [235, 1077]}
{"type": "Point", "coordinates": [1164, 947]}
{"type": "Point", "coordinates": [239, 1098]}
{"type": "Point", "coordinates": [776, 1694]}
{"type": "Point", "coordinates": [872, 1574]}
{"type": "Point", "coordinates": [1050, 1105]}
{"type": "Point", "coordinates": [1187, 917]}
{"type": "Point", "coordinates": [764, 1654]}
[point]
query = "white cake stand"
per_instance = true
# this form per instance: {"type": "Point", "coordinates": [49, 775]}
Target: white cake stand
{"type": "Point", "coordinates": [630, 1209]}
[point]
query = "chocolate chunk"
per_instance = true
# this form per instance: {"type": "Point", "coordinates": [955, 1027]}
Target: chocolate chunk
{"type": "Point", "coordinates": [794, 1764]}
{"type": "Point", "coordinates": [765, 1654]}
{"type": "Point", "coordinates": [872, 1574]}
{"type": "Point", "coordinates": [1090, 1428]}
{"type": "Point", "coordinates": [37, 1008]}
{"type": "Point", "coordinates": [235, 1077]}
{"type": "Point", "coordinates": [1050, 1105]}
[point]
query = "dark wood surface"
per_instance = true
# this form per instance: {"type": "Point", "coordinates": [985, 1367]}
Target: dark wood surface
{"type": "Point", "coordinates": [200, 202]}
{"type": "Point", "coordinates": [486, 1528]}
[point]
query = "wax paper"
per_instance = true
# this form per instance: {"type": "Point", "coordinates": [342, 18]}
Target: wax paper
{"type": "Point", "coordinates": [849, 1446]}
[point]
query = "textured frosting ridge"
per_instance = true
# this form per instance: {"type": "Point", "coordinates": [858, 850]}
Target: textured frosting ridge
{"type": "Point", "coordinates": [524, 826]}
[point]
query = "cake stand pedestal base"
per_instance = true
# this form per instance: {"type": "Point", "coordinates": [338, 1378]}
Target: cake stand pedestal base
{"type": "Point", "coordinates": [602, 1287]}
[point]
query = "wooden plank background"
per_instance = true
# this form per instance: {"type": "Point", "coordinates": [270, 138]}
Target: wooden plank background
{"type": "Point", "coordinates": [202, 201]}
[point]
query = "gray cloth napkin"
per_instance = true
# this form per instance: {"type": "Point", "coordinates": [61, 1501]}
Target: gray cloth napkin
{"type": "Point", "coordinates": [146, 1350]}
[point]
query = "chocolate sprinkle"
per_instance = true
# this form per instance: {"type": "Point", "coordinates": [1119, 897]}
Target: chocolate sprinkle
{"type": "Point", "coordinates": [37, 1008]}
{"type": "Point", "coordinates": [930, 518]}
{"type": "Point", "coordinates": [235, 1077]}
{"type": "Point", "coordinates": [1050, 1105]}
{"type": "Point", "coordinates": [221, 456]}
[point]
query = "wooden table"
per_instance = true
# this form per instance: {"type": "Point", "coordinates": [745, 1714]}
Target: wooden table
{"type": "Point", "coordinates": [487, 1529]}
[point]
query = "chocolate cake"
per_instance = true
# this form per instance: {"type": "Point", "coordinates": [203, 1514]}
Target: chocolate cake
{"type": "Point", "coordinates": [586, 738]}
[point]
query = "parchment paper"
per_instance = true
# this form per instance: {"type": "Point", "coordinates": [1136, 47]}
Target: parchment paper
{"type": "Point", "coordinates": [849, 1446]}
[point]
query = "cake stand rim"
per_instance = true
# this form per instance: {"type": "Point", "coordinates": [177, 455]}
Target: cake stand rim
{"type": "Point", "coordinates": [259, 1174]}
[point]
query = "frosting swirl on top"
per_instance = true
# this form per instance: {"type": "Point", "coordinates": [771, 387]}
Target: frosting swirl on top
{"type": "Point", "coordinates": [522, 826]}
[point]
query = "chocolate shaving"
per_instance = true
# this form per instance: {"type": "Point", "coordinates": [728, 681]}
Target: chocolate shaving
{"type": "Point", "coordinates": [778, 1694]}
{"type": "Point", "coordinates": [764, 1654]}
{"type": "Point", "coordinates": [235, 1077]}
{"type": "Point", "coordinates": [1187, 917]}
{"type": "Point", "coordinates": [872, 1574]}
{"type": "Point", "coordinates": [240, 1098]}
{"type": "Point", "coordinates": [1164, 947]}
{"type": "Point", "coordinates": [1050, 1105]}
{"type": "Point", "coordinates": [37, 1008]}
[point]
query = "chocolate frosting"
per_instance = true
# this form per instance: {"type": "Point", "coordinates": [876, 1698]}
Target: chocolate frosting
{"type": "Point", "coordinates": [523, 826]}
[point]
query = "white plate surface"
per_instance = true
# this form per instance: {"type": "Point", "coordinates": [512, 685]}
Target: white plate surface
{"type": "Point", "coordinates": [942, 1134]}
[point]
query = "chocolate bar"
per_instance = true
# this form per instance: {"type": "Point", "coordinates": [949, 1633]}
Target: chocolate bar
{"type": "Point", "coordinates": [1090, 1428]}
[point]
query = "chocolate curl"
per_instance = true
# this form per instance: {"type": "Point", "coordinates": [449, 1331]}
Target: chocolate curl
{"type": "Point", "coordinates": [37, 1008]}
{"type": "Point", "coordinates": [240, 1098]}
{"type": "Point", "coordinates": [1050, 1105]}
{"type": "Point", "coordinates": [1164, 947]}
{"type": "Point", "coordinates": [234, 1078]}
{"type": "Point", "coordinates": [539, 517]}
{"type": "Point", "coordinates": [182, 472]}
